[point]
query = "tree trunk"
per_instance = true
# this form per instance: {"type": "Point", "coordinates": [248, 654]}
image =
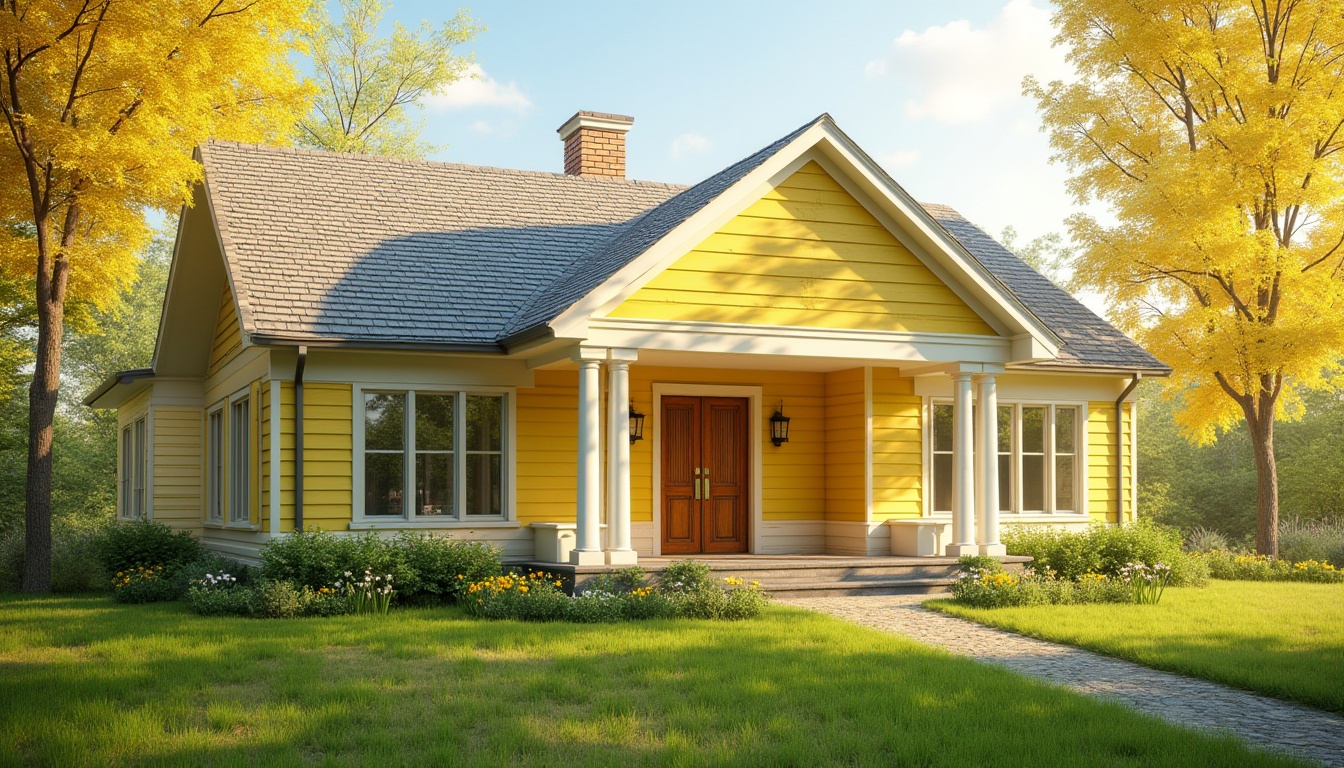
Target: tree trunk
{"type": "Point", "coordinates": [52, 278]}
{"type": "Point", "coordinates": [1261, 428]}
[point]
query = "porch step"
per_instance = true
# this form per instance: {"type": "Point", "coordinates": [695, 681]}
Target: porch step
{"type": "Point", "coordinates": [854, 589]}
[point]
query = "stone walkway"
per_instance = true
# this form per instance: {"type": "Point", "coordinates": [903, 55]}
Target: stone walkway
{"type": "Point", "coordinates": [1261, 721]}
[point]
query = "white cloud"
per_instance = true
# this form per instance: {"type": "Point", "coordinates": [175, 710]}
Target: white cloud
{"type": "Point", "coordinates": [478, 89]}
{"type": "Point", "coordinates": [898, 159]}
{"type": "Point", "coordinates": [482, 127]}
{"type": "Point", "coordinates": [688, 144]}
{"type": "Point", "coordinates": [964, 75]}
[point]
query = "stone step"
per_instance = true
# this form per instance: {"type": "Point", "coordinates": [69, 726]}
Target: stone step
{"type": "Point", "coordinates": [842, 589]}
{"type": "Point", "coordinates": [851, 574]}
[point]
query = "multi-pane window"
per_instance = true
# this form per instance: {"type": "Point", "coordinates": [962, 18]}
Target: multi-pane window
{"type": "Point", "coordinates": [240, 465]}
{"type": "Point", "coordinates": [442, 451]}
{"type": "Point", "coordinates": [1037, 447]}
{"type": "Point", "coordinates": [134, 469]}
{"type": "Point", "coordinates": [214, 466]}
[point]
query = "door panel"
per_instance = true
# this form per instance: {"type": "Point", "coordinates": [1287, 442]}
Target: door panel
{"type": "Point", "coordinates": [681, 475]}
{"type": "Point", "coordinates": [705, 475]}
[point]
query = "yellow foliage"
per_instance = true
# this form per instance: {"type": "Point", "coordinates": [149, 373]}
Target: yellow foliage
{"type": "Point", "coordinates": [103, 103]}
{"type": "Point", "coordinates": [1219, 154]}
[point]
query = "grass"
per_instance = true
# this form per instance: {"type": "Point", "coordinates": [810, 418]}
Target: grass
{"type": "Point", "coordinates": [1283, 639]}
{"type": "Point", "coordinates": [84, 681]}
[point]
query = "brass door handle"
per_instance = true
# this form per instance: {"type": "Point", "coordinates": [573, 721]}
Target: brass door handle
{"type": "Point", "coordinates": [696, 483]}
{"type": "Point", "coordinates": [706, 492]}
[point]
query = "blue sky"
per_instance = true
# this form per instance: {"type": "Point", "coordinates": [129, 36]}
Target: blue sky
{"type": "Point", "coordinates": [930, 89]}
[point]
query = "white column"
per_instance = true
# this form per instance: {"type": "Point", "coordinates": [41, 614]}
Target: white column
{"type": "Point", "coordinates": [588, 549]}
{"type": "Point", "coordinates": [963, 469]}
{"type": "Point", "coordinates": [987, 464]}
{"type": "Point", "coordinates": [619, 551]}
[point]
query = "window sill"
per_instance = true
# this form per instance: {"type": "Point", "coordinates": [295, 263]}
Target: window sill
{"type": "Point", "coordinates": [412, 525]}
{"type": "Point", "coordinates": [230, 526]}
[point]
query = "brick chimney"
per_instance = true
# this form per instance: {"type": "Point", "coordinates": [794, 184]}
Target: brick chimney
{"type": "Point", "coordinates": [595, 144]}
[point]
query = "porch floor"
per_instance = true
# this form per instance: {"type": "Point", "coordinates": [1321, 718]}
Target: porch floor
{"type": "Point", "coordinates": [803, 575]}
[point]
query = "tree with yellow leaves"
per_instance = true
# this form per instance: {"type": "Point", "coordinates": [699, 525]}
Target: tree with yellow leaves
{"type": "Point", "coordinates": [1214, 132]}
{"type": "Point", "coordinates": [103, 101]}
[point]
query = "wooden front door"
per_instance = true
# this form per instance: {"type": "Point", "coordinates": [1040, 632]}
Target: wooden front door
{"type": "Point", "coordinates": [705, 478]}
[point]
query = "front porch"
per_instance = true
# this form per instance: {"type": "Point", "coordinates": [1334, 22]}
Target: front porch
{"type": "Point", "coordinates": [804, 575]}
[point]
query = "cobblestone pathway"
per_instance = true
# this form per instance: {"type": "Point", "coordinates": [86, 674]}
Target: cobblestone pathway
{"type": "Point", "coordinates": [1184, 701]}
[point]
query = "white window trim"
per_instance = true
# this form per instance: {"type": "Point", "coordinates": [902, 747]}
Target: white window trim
{"type": "Point", "coordinates": [1015, 514]}
{"type": "Point", "coordinates": [127, 461]}
{"type": "Point", "coordinates": [225, 407]}
{"type": "Point", "coordinates": [409, 518]}
{"type": "Point", "coordinates": [216, 485]}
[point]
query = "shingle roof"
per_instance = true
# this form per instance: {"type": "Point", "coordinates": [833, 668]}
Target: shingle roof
{"type": "Point", "coordinates": [332, 247]}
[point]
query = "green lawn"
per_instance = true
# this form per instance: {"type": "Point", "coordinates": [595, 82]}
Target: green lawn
{"type": "Point", "coordinates": [84, 681]}
{"type": "Point", "coordinates": [1279, 638]}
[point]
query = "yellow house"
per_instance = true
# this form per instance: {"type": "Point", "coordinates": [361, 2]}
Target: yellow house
{"type": "Point", "coordinates": [790, 357]}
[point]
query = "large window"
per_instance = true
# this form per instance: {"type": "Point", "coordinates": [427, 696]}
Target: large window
{"type": "Point", "coordinates": [240, 464]}
{"type": "Point", "coordinates": [444, 452]}
{"type": "Point", "coordinates": [1037, 448]}
{"type": "Point", "coordinates": [134, 469]}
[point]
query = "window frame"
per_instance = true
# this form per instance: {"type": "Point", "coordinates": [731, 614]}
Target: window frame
{"type": "Point", "coordinates": [410, 516]}
{"type": "Point", "coordinates": [133, 469]}
{"type": "Point", "coordinates": [1014, 510]}
{"type": "Point", "coordinates": [249, 453]}
{"type": "Point", "coordinates": [216, 466]}
{"type": "Point", "coordinates": [238, 464]}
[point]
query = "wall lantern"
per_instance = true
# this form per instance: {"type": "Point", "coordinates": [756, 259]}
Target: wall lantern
{"type": "Point", "coordinates": [779, 426]}
{"type": "Point", "coordinates": [636, 425]}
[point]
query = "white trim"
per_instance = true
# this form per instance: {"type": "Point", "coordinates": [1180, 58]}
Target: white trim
{"type": "Point", "coordinates": [754, 396]}
{"type": "Point", "coordinates": [1133, 459]}
{"type": "Point", "coordinates": [508, 457]}
{"type": "Point", "coordinates": [615, 123]}
{"type": "Point", "coordinates": [741, 338]}
{"type": "Point", "coordinates": [423, 524]}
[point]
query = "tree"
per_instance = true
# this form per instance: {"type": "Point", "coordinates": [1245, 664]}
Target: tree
{"type": "Point", "coordinates": [103, 101]}
{"type": "Point", "coordinates": [366, 82]}
{"type": "Point", "coordinates": [1213, 130]}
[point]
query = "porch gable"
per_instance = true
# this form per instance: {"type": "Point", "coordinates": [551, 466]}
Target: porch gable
{"type": "Point", "coordinates": [807, 253]}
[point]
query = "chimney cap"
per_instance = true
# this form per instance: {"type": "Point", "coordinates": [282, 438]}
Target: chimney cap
{"type": "Point", "coordinates": [602, 121]}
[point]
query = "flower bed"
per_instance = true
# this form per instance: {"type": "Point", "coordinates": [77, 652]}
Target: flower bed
{"type": "Point", "coordinates": [685, 590]}
{"type": "Point", "coordinates": [983, 583]}
{"type": "Point", "coordinates": [1233, 566]}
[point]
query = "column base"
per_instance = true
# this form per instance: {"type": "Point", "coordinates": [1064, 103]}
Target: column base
{"type": "Point", "coordinates": [996, 550]}
{"type": "Point", "coordinates": [587, 557]}
{"type": "Point", "coordinates": [622, 557]}
{"type": "Point", "coordinates": [961, 550]}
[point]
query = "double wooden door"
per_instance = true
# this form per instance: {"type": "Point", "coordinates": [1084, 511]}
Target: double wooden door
{"type": "Point", "coordinates": [705, 481]}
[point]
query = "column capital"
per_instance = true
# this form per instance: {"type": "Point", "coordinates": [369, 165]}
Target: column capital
{"type": "Point", "coordinates": [625, 355]}
{"type": "Point", "coordinates": [961, 376]}
{"type": "Point", "coordinates": [586, 354]}
{"type": "Point", "coordinates": [985, 377]}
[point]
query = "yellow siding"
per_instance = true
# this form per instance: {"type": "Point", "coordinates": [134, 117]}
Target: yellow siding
{"type": "Point", "coordinates": [328, 470]}
{"type": "Point", "coordinates": [794, 475]}
{"type": "Point", "coordinates": [1101, 452]}
{"type": "Point", "coordinates": [846, 446]}
{"type": "Point", "coordinates": [806, 254]}
{"type": "Point", "coordinates": [897, 447]}
{"type": "Point", "coordinates": [177, 486]}
{"type": "Point", "coordinates": [228, 337]}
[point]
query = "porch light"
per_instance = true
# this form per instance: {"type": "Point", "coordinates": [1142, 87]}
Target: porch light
{"type": "Point", "coordinates": [636, 425]}
{"type": "Point", "coordinates": [779, 426]}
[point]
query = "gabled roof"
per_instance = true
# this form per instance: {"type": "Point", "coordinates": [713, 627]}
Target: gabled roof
{"type": "Point", "coordinates": [332, 248]}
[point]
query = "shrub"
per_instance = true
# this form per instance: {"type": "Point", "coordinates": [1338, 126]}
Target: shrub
{"type": "Point", "coordinates": [983, 583]}
{"type": "Point", "coordinates": [1105, 550]}
{"type": "Point", "coordinates": [220, 596]}
{"type": "Point", "coordinates": [425, 568]}
{"type": "Point", "coordinates": [125, 546]}
{"type": "Point", "coordinates": [1301, 540]}
{"type": "Point", "coordinates": [684, 576]}
{"type": "Point", "coordinates": [214, 566]}
{"type": "Point", "coordinates": [143, 584]}
{"type": "Point", "coordinates": [1204, 540]}
{"type": "Point", "coordinates": [75, 564]}
{"type": "Point", "coordinates": [278, 600]}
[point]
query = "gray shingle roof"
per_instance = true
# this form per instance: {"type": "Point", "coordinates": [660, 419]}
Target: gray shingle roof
{"type": "Point", "coordinates": [331, 247]}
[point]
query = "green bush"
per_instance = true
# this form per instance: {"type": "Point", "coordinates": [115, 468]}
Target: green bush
{"type": "Point", "coordinates": [215, 596]}
{"type": "Point", "coordinates": [1204, 540]}
{"type": "Point", "coordinates": [215, 601]}
{"type": "Point", "coordinates": [1106, 550]}
{"type": "Point", "coordinates": [425, 568]}
{"type": "Point", "coordinates": [684, 576]}
{"type": "Point", "coordinates": [125, 546]}
{"type": "Point", "coordinates": [1302, 540]}
{"type": "Point", "coordinates": [75, 564]}
{"type": "Point", "coordinates": [983, 583]}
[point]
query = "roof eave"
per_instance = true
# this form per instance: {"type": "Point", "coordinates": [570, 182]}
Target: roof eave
{"type": "Point", "coordinates": [277, 340]}
{"type": "Point", "coordinates": [1160, 371]}
{"type": "Point", "coordinates": [120, 378]}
